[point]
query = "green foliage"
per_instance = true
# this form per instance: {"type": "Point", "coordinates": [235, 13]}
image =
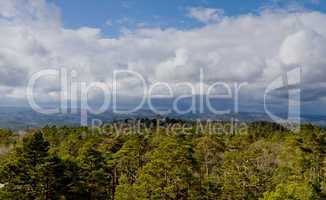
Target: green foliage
{"type": "Point", "coordinates": [268, 163]}
{"type": "Point", "coordinates": [291, 191]}
{"type": "Point", "coordinates": [33, 173]}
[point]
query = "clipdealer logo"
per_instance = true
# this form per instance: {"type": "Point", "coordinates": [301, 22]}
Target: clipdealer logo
{"type": "Point", "coordinates": [78, 91]}
{"type": "Point", "coordinates": [289, 86]}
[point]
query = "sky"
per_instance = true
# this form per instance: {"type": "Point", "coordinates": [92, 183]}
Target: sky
{"type": "Point", "coordinates": [230, 41]}
{"type": "Point", "coordinates": [114, 16]}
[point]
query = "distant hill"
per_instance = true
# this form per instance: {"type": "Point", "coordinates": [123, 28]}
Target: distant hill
{"type": "Point", "coordinates": [17, 118]}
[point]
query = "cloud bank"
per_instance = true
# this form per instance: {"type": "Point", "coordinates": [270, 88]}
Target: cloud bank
{"type": "Point", "coordinates": [246, 48]}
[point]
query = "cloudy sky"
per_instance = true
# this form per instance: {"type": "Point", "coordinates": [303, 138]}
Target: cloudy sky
{"type": "Point", "coordinates": [231, 41]}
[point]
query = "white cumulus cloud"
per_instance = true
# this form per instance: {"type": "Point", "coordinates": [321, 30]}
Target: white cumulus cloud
{"type": "Point", "coordinates": [246, 48]}
{"type": "Point", "coordinates": [206, 15]}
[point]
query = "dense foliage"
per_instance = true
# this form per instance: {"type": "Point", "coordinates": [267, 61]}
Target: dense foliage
{"type": "Point", "coordinates": [267, 162]}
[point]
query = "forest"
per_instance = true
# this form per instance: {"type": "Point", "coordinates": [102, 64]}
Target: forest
{"type": "Point", "coordinates": [266, 162]}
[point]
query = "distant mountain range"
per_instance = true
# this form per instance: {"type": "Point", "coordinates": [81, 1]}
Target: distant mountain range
{"type": "Point", "coordinates": [18, 118]}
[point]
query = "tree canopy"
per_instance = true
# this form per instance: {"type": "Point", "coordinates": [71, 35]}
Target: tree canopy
{"type": "Point", "coordinates": [267, 163]}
